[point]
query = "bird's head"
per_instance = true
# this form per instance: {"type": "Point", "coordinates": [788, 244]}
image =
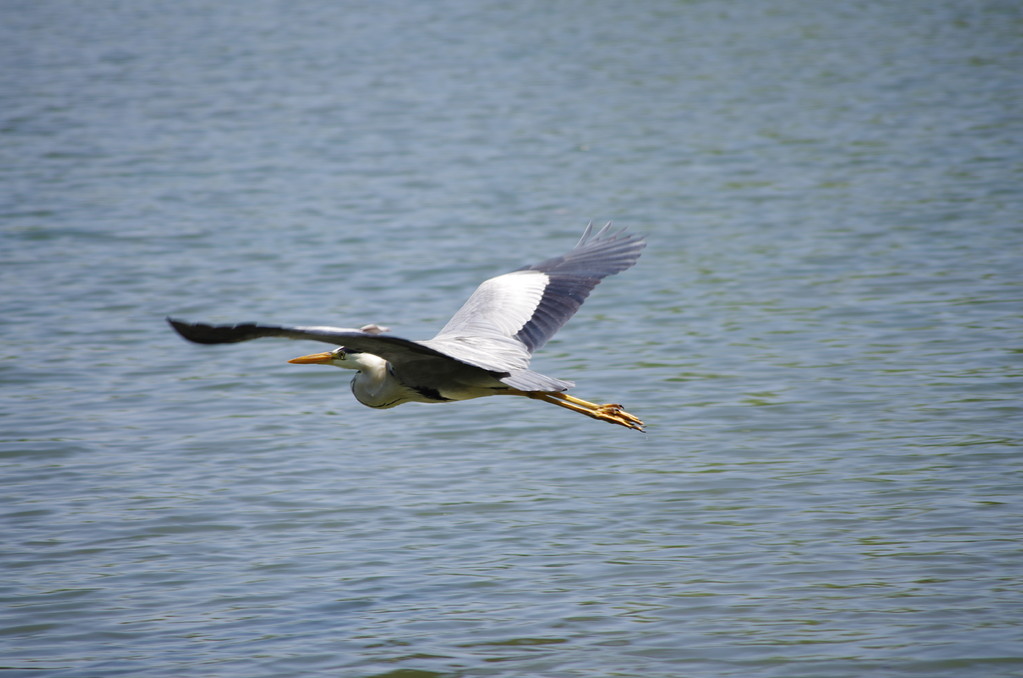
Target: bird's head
{"type": "Point", "coordinates": [339, 357]}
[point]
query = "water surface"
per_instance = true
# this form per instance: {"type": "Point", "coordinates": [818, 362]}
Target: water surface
{"type": "Point", "coordinates": [823, 336]}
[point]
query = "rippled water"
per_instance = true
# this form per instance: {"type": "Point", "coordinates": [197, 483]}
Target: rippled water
{"type": "Point", "coordinates": [823, 336]}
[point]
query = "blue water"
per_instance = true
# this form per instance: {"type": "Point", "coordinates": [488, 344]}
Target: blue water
{"type": "Point", "coordinates": [824, 337]}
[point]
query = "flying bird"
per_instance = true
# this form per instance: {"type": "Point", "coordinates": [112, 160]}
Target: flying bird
{"type": "Point", "coordinates": [485, 348]}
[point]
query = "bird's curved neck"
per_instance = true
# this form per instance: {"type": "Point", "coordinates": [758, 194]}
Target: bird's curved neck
{"type": "Point", "coordinates": [375, 385]}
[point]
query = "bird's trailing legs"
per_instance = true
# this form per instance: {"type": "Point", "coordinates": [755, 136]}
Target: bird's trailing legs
{"type": "Point", "coordinates": [608, 412]}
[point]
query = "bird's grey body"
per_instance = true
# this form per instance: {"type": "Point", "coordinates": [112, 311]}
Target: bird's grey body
{"type": "Point", "coordinates": [483, 350]}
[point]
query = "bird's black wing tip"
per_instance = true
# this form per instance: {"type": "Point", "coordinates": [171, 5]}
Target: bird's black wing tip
{"type": "Point", "coordinates": [179, 326]}
{"type": "Point", "coordinates": [190, 331]}
{"type": "Point", "coordinates": [201, 333]}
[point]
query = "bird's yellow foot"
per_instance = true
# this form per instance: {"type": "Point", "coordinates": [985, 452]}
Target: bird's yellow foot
{"type": "Point", "coordinates": [608, 412]}
{"type": "Point", "coordinates": [616, 415]}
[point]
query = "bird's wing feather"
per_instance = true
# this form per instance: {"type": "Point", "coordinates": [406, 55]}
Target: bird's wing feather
{"type": "Point", "coordinates": [510, 316]}
{"type": "Point", "coordinates": [497, 329]}
{"type": "Point", "coordinates": [394, 349]}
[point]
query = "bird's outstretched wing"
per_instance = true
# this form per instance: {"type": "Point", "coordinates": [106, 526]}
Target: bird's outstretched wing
{"type": "Point", "coordinates": [394, 349]}
{"type": "Point", "coordinates": [512, 315]}
{"type": "Point", "coordinates": [497, 329]}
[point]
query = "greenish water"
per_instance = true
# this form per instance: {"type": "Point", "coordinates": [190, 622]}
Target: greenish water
{"type": "Point", "coordinates": [823, 336]}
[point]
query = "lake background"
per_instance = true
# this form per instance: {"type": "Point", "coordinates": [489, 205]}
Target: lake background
{"type": "Point", "coordinates": [824, 337]}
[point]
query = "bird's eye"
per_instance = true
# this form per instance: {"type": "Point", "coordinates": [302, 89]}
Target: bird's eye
{"type": "Point", "coordinates": [340, 354]}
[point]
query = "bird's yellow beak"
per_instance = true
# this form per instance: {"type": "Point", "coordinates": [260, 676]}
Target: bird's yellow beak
{"type": "Point", "coordinates": [314, 359]}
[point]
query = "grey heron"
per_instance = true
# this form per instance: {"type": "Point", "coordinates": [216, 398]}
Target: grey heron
{"type": "Point", "coordinates": [483, 350]}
